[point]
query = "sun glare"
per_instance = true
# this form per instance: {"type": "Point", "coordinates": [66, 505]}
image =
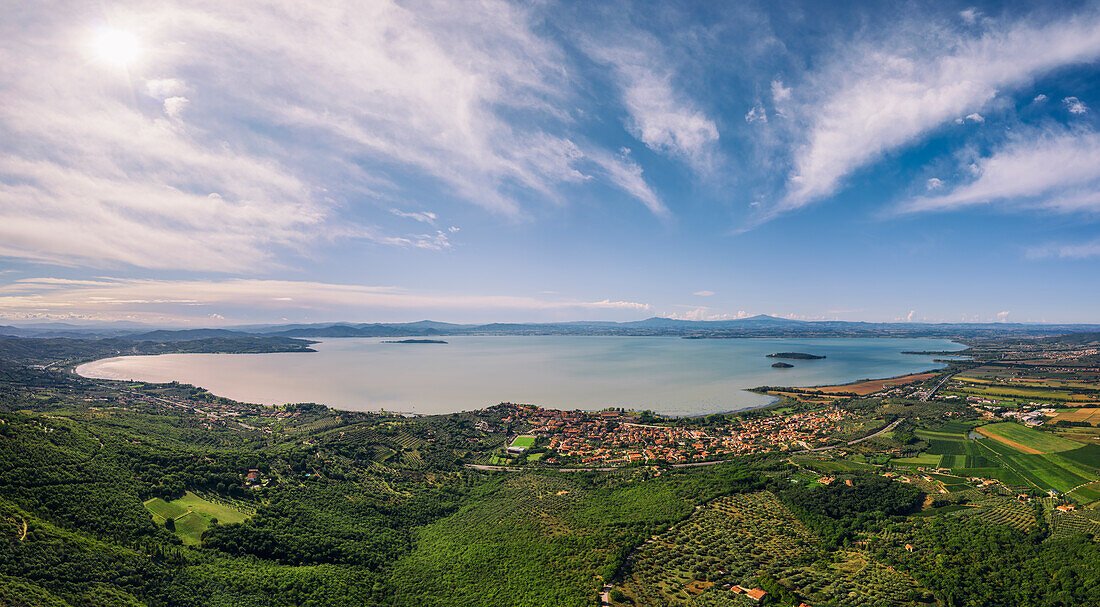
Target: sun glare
{"type": "Point", "coordinates": [117, 48]}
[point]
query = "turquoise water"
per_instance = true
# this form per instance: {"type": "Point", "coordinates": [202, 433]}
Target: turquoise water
{"type": "Point", "coordinates": [666, 374]}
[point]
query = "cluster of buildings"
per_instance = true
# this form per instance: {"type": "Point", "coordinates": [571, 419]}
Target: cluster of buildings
{"type": "Point", "coordinates": [616, 438]}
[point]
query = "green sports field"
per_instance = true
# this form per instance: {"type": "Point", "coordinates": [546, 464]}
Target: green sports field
{"type": "Point", "coordinates": [526, 441]}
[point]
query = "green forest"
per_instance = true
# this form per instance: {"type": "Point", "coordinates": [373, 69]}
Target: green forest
{"type": "Point", "coordinates": [116, 493]}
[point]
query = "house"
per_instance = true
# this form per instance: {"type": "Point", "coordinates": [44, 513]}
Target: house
{"type": "Point", "coordinates": [909, 547]}
{"type": "Point", "coordinates": [252, 477]}
{"type": "Point", "coordinates": [755, 594]}
{"type": "Point", "coordinates": [1065, 508]}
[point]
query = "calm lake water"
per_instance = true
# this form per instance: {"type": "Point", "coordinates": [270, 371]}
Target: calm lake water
{"type": "Point", "coordinates": [666, 374]}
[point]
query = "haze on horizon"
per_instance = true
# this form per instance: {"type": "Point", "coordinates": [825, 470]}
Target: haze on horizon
{"type": "Point", "coordinates": [212, 164]}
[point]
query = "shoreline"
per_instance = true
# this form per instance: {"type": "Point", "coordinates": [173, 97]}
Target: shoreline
{"type": "Point", "coordinates": [74, 367]}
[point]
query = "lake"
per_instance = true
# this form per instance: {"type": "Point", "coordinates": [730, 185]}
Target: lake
{"type": "Point", "coordinates": [665, 374]}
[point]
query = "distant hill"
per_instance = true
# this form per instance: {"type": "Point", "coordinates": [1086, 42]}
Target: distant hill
{"type": "Point", "coordinates": [754, 326]}
{"type": "Point", "coordinates": [164, 335]}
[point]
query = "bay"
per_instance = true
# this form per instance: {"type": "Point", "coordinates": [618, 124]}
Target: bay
{"type": "Point", "coordinates": [668, 375]}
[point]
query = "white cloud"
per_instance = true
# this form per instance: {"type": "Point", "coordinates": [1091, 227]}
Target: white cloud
{"type": "Point", "coordinates": [468, 99]}
{"type": "Point", "coordinates": [703, 293]}
{"type": "Point", "coordinates": [756, 114]}
{"type": "Point", "coordinates": [660, 115]}
{"type": "Point", "coordinates": [975, 117]}
{"type": "Point", "coordinates": [421, 216]}
{"type": "Point", "coordinates": [909, 316]}
{"type": "Point", "coordinates": [970, 15]}
{"type": "Point", "coordinates": [1003, 316]}
{"type": "Point", "coordinates": [1057, 170]}
{"type": "Point", "coordinates": [627, 175]}
{"type": "Point", "coordinates": [878, 97]}
{"type": "Point", "coordinates": [163, 88]}
{"type": "Point", "coordinates": [780, 93]}
{"type": "Point", "coordinates": [174, 106]}
{"type": "Point", "coordinates": [705, 313]}
{"type": "Point", "coordinates": [1040, 98]}
{"type": "Point", "coordinates": [150, 300]}
{"type": "Point", "coordinates": [934, 184]}
{"type": "Point", "coordinates": [1075, 105]}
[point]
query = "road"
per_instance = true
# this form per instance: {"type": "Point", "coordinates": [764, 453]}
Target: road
{"type": "Point", "coordinates": [860, 440]}
{"type": "Point", "coordinates": [928, 397]}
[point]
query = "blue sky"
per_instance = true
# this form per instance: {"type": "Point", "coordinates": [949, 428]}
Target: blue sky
{"type": "Point", "coordinates": [212, 163]}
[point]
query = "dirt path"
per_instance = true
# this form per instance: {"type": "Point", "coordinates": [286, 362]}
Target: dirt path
{"type": "Point", "coordinates": [1011, 443]}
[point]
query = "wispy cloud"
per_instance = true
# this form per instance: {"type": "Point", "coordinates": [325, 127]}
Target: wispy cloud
{"type": "Point", "coordinates": [660, 115]}
{"type": "Point", "coordinates": [184, 159]}
{"type": "Point", "coordinates": [622, 171]}
{"type": "Point", "coordinates": [1084, 250]}
{"type": "Point", "coordinates": [1057, 170]}
{"type": "Point", "coordinates": [191, 300]}
{"type": "Point", "coordinates": [421, 216]}
{"type": "Point", "coordinates": [880, 96]}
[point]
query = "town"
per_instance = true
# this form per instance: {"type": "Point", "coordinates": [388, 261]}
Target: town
{"type": "Point", "coordinates": [618, 438]}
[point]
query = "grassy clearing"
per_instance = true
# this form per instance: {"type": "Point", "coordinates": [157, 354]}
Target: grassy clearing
{"type": "Point", "coordinates": [193, 514]}
{"type": "Point", "coordinates": [163, 510]}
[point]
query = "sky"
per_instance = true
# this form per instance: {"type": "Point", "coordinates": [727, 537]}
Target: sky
{"type": "Point", "coordinates": [217, 163]}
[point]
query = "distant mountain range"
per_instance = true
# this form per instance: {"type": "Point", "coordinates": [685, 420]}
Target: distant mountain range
{"type": "Point", "coordinates": [754, 326]}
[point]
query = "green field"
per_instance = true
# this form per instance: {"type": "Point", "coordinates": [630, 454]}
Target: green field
{"type": "Point", "coordinates": [192, 515]}
{"type": "Point", "coordinates": [163, 510]}
{"type": "Point", "coordinates": [526, 441]}
{"type": "Point", "coordinates": [1028, 437]}
{"type": "Point", "coordinates": [924, 459]}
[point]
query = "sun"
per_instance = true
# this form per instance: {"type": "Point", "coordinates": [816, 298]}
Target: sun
{"type": "Point", "coordinates": [117, 48]}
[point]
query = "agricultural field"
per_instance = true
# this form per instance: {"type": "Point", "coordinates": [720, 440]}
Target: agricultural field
{"type": "Point", "coordinates": [864, 388]}
{"type": "Point", "coordinates": [748, 540]}
{"type": "Point", "coordinates": [1026, 439]}
{"type": "Point", "coordinates": [1018, 456]}
{"type": "Point", "coordinates": [1089, 415]}
{"type": "Point", "coordinates": [193, 514]}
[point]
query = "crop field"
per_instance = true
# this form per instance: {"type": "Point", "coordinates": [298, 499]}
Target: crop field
{"type": "Point", "coordinates": [192, 514]}
{"type": "Point", "coordinates": [1027, 439]}
{"type": "Point", "coordinates": [736, 539]}
{"type": "Point", "coordinates": [1090, 415]}
{"type": "Point", "coordinates": [1088, 455]}
{"type": "Point", "coordinates": [1087, 493]}
{"type": "Point", "coordinates": [924, 459]}
{"type": "Point", "coordinates": [1044, 471]}
{"type": "Point", "coordinates": [864, 388]}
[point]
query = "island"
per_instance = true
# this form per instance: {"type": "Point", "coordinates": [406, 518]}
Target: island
{"type": "Point", "coordinates": [782, 365]}
{"type": "Point", "coordinates": [415, 341]}
{"type": "Point", "coordinates": [795, 355]}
